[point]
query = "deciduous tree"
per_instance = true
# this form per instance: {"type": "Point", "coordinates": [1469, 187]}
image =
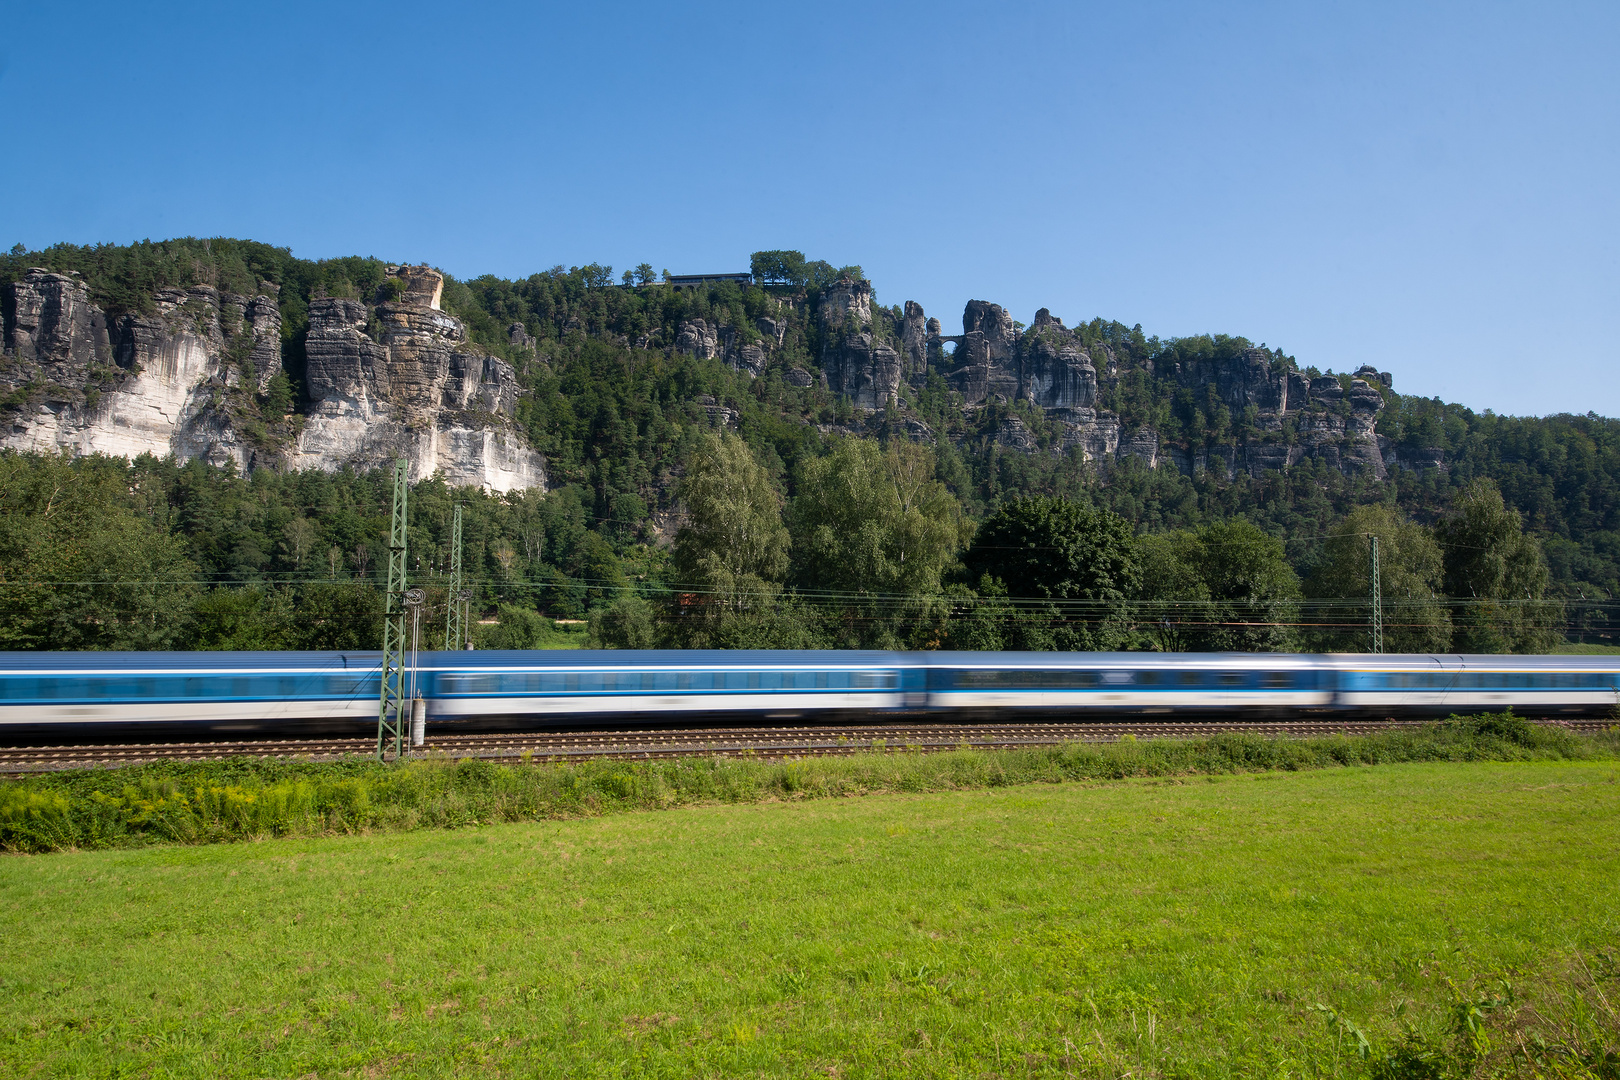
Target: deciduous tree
{"type": "Point", "coordinates": [1224, 587]}
{"type": "Point", "coordinates": [732, 551]}
{"type": "Point", "coordinates": [1410, 578]}
{"type": "Point", "coordinates": [1497, 575]}
{"type": "Point", "coordinates": [1068, 569]}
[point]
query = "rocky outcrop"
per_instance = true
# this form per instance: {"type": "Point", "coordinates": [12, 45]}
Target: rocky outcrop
{"type": "Point", "coordinates": [182, 380]}
{"type": "Point", "coordinates": [700, 338]}
{"type": "Point", "coordinates": [1049, 367]}
{"type": "Point", "coordinates": [1251, 380]}
{"type": "Point", "coordinates": [262, 316]}
{"type": "Point", "coordinates": [772, 330]}
{"type": "Point", "coordinates": [54, 324]}
{"type": "Point", "coordinates": [415, 390]}
{"type": "Point", "coordinates": [750, 359]}
{"type": "Point", "coordinates": [1046, 366]}
{"type": "Point", "coordinates": [855, 360]}
{"type": "Point", "coordinates": [1415, 458]}
{"type": "Point", "coordinates": [392, 373]}
{"type": "Point", "coordinates": [133, 384]}
{"type": "Point", "coordinates": [416, 286]}
{"type": "Point", "coordinates": [1054, 372]}
{"type": "Point", "coordinates": [1373, 375]}
{"type": "Point", "coordinates": [1142, 444]}
{"type": "Point", "coordinates": [716, 412]}
{"type": "Point", "coordinates": [1097, 439]}
{"type": "Point", "coordinates": [1326, 390]}
{"type": "Point", "coordinates": [697, 338]}
{"type": "Point", "coordinates": [916, 332]}
{"type": "Point", "coordinates": [985, 357]}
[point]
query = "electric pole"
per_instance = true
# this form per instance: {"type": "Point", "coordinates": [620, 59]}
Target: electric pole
{"type": "Point", "coordinates": [392, 705]}
{"type": "Point", "coordinates": [1377, 603]}
{"type": "Point", "coordinates": [414, 598]}
{"type": "Point", "coordinates": [455, 622]}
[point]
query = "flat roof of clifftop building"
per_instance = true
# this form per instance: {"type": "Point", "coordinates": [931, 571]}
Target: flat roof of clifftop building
{"type": "Point", "coordinates": [692, 281]}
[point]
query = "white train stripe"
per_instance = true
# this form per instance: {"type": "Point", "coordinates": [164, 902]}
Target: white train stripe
{"type": "Point", "coordinates": [1463, 699]}
{"type": "Point", "coordinates": [189, 711]}
{"type": "Point", "coordinates": [1082, 699]}
{"type": "Point", "coordinates": [565, 704]}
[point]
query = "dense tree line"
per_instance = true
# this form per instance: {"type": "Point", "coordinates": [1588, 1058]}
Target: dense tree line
{"type": "Point", "coordinates": [866, 548]}
{"type": "Point", "coordinates": [871, 551]}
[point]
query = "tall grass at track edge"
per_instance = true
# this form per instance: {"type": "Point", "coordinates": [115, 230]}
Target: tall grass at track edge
{"type": "Point", "coordinates": [253, 798]}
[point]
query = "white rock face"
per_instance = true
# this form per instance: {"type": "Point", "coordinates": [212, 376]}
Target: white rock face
{"type": "Point", "coordinates": [498, 460]}
{"type": "Point", "coordinates": [144, 415]}
{"type": "Point", "coordinates": [494, 459]}
{"type": "Point", "coordinates": [162, 384]}
{"type": "Point", "coordinates": [127, 386]}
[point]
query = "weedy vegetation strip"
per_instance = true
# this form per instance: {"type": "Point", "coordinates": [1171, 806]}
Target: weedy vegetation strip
{"type": "Point", "coordinates": [252, 798]}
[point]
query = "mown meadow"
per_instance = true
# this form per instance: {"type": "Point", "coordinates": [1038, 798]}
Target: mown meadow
{"type": "Point", "coordinates": [1425, 919]}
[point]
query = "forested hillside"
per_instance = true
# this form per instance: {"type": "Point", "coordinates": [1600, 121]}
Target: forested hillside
{"type": "Point", "coordinates": [671, 418]}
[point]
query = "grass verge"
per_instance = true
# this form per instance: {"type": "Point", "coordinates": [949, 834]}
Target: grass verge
{"type": "Point", "coordinates": [254, 799]}
{"type": "Point", "coordinates": [1413, 920]}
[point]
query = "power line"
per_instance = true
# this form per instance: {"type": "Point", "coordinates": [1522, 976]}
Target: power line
{"type": "Point", "coordinates": [1351, 605]}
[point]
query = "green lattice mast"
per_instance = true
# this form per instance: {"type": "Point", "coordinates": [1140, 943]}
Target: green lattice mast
{"type": "Point", "coordinates": [1377, 603]}
{"type": "Point", "coordinates": [455, 621]}
{"type": "Point", "coordinates": [392, 714]}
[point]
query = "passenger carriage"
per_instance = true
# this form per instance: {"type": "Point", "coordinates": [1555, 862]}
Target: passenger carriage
{"type": "Point", "coordinates": [45, 692]}
{"type": "Point", "coordinates": [1081, 684]}
{"type": "Point", "coordinates": [1439, 685]}
{"type": "Point", "coordinates": [668, 685]}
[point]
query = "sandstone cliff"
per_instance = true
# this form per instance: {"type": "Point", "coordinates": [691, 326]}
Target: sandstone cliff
{"type": "Point", "coordinates": [1047, 366]}
{"type": "Point", "coordinates": [414, 389]}
{"type": "Point", "coordinates": [856, 361]}
{"type": "Point", "coordinates": [190, 380]}
{"type": "Point", "coordinates": [78, 379]}
{"type": "Point", "coordinates": [194, 374]}
{"type": "Point", "coordinates": [867, 354]}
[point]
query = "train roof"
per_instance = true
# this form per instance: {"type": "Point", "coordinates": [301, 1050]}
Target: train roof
{"type": "Point", "coordinates": [1468, 662]}
{"type": "Point", "coordinates": [1028, 660]}
{"type": "Point", "coordinates": [17, 662]}
{"type": "Point", "coordinates": [684, 658]}
{"type": "Point", "coordinates": [188, 661]}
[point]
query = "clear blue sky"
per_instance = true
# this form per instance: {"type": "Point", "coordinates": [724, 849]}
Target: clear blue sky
{"type": "Point", "coordinates": [1428, 188]}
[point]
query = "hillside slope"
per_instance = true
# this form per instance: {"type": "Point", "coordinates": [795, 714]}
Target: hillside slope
{"type": "Point", "coordinates": [238, 353]}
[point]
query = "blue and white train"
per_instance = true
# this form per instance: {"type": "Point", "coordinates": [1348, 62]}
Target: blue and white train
{"type": "Point", "coordinates": [77, 695]}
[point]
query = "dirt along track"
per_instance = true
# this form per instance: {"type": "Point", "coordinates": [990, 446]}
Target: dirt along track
{"type": "Point", "coordinates": [763, 742]}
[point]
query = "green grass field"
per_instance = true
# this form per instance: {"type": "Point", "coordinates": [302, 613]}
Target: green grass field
{"type": "Point", "coordinates": [1175, 927]}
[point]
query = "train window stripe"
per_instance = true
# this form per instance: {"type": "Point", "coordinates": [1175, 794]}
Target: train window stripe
{"type": "Point", "coordinates": [735, 681]}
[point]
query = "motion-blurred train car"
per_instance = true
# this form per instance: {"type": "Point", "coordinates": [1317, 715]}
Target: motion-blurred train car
{"type": "Point", "coordinates": [66, 696]}
{"type": "Point", "coordinates": [983, 685]}
{"type": "Point", "coordinates": [1439, 685]}
{"type": "Point", "coordinates": [541, 688]}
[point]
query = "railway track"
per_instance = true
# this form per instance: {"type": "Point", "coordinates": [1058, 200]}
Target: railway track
{"type": "Point", "coordinates": [765, 742]}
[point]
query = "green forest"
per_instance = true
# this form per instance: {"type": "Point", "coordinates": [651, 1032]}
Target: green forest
{"type": "Point", "coordinates": [691, 505]}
